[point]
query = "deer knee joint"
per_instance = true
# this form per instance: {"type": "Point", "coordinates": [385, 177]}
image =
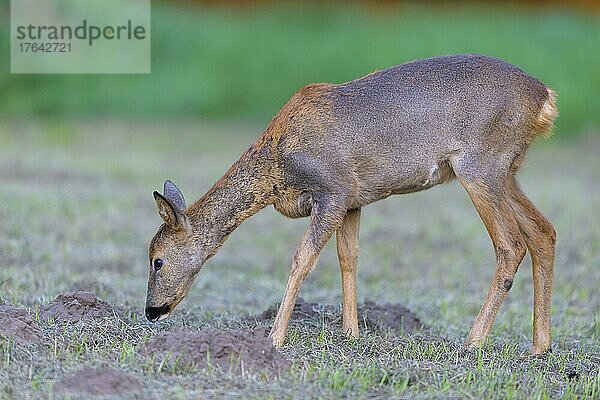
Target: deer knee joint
{"type": "Point", "coordinates": [513, 252]}
{"type": "Point", "coordinates": [520, 248]}
{"type": "Point", "coordinates": [511, 256]}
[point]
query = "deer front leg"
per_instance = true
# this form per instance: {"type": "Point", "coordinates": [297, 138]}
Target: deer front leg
{"type": "Point", "coordinates": [323, 222]}
{"type": "Point", "coordinates": [347, 249]}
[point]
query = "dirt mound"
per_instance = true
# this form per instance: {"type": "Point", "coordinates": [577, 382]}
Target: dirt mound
{"type": "Point", "coordinates": [302, 310]}
{"type": "Point", "coordinates": [379, 317]}
{"type": "Point", "coordinates": [17, 324]}
{"type": "Point", "coordinates": [394, 317]}
{"type": "Point", "coordinates": [98, 382]}
{"type": "Point", "coordinates": [229, 351]}
{"type": "Point", "coordinates": [75, 306]}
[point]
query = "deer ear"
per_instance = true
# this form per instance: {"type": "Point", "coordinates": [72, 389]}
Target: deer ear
{"type": "Point", "coordinates": [170, 213]}
{"type": "Point", "coordinates": [173, 194]}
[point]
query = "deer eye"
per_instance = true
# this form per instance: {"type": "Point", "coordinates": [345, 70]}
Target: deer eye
{"type": "Point", "coordinates": [158, 263]}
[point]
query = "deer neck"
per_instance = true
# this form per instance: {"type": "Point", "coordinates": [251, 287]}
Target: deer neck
{"type": "Point", "coordinates": [244, 190]}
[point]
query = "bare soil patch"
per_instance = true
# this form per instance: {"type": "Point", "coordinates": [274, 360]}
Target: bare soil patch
{"type": "Point", "coordinates": [98, 382]}
{"type": "Point", "coordinates": [377, 317]}
{"type": "Point", "coordinates": [75, 306]}
{"type": "Point", "coordinates": [233, 351]}
{"type": "Point", "coordinates": [18, 325]}
{"type": "Point", "coordinates": [393, 317]}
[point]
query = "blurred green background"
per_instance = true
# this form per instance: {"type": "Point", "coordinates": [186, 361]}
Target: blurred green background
{"type": "Point", "coordinates": [240, 61]}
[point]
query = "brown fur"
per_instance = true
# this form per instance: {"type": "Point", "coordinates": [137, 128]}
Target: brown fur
{"type": "Point", "coordinates": [540, 237]}
{"type": "Point", "coordinates": [309, 105]}
{"type": "Point", "coordinates": [347, 249]}
{"type": "Point", "coordinates": [333, 149]}
{"type": "Point", "coordinates": [494, 209]}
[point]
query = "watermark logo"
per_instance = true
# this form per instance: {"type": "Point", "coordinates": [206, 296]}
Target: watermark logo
{"type": "Point", "coordinates": [80, 36]}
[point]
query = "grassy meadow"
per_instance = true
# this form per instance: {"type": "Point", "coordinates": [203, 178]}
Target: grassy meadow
{"type": "Point", "coordinates": [77, 213]}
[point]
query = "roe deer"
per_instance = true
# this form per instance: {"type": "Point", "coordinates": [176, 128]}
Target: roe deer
{"type": "Point", "coordinates": [334, 148]}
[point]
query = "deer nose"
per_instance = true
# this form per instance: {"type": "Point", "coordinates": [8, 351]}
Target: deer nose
{"type": "Point", "coordinates": [154, 313]}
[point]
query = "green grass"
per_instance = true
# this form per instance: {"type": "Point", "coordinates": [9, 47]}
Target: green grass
{"type": "Point", "coordinates": [243, 65]}
{"type": "Point", "coordinates": [77, 212]}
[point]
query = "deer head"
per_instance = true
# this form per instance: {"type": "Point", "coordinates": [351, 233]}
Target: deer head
{"type": "Point", "coordinates": [175, 257]}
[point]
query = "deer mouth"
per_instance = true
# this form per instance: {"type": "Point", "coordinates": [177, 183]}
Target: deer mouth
{"type": "Point", "coordinates": [155, 314]}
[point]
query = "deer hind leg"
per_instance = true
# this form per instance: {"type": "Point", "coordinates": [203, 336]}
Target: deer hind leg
{"type": "Point", "coordinates": [347, 249]}
{"type": "Point", "coordinates": [540, 237]}
{"type": "Point", "coordinates": [325, 219]}
{"type": "Point", "coordinates": [493, 206]}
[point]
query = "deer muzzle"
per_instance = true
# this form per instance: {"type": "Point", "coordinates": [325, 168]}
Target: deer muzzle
{"type": "Point", "coordinates": [154, 314]}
